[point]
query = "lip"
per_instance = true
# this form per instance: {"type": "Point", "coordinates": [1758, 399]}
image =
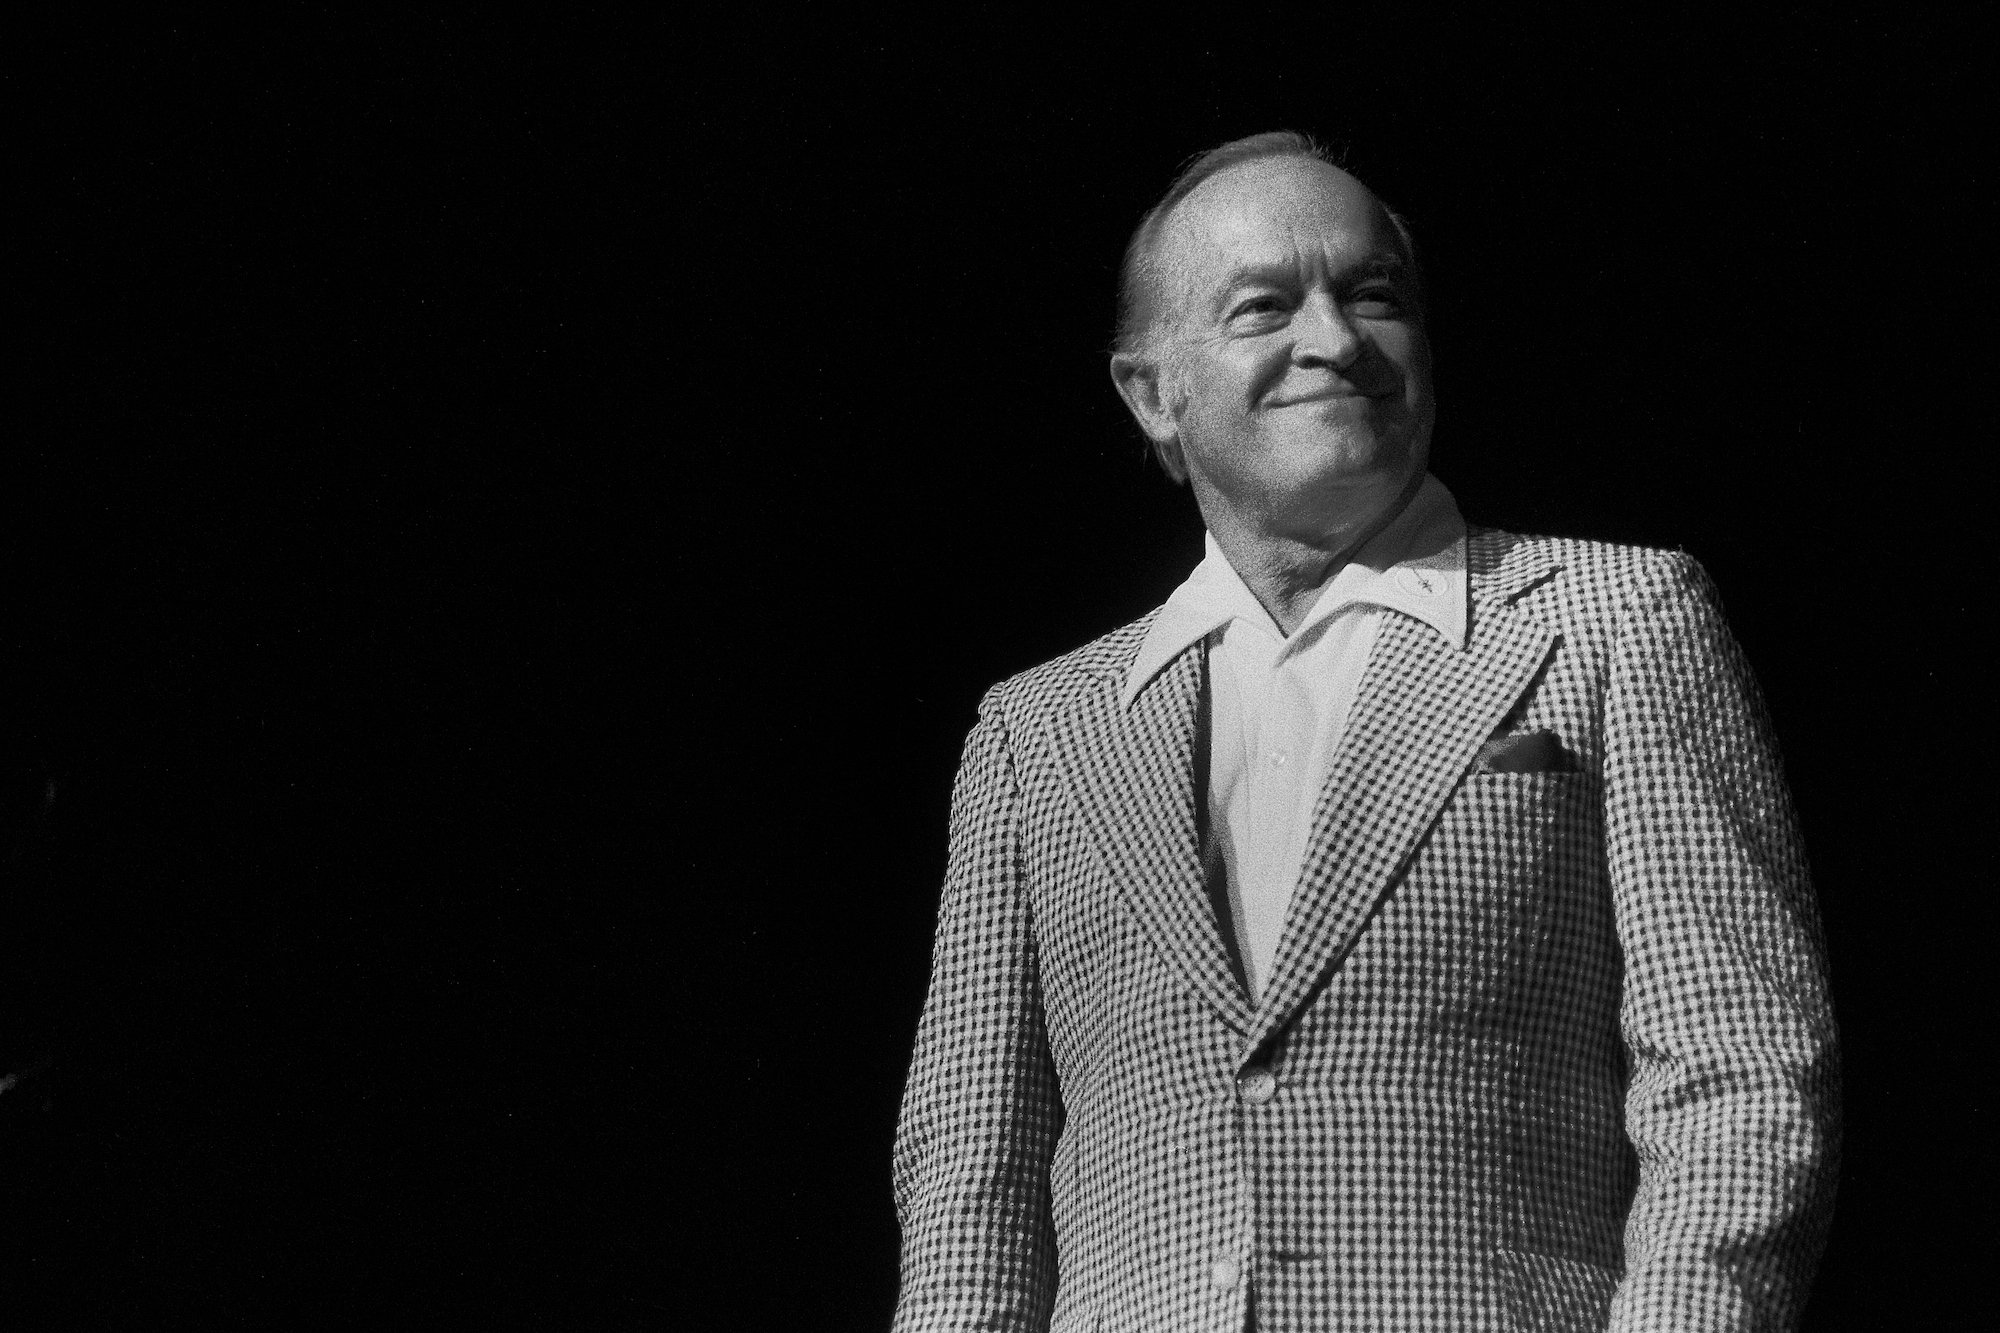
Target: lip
{"type": "Point", "coordinates": [1329, 396]}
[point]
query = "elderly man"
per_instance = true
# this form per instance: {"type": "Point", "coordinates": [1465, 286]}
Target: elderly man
{"type": "Point", "coordinates": [1403, 927]}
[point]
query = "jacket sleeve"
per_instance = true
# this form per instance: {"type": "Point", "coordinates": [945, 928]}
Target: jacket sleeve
{"type": "Point", "coordinates": [1733, 1104]}
{"type": "Point", "coordinates": [981, 1109]}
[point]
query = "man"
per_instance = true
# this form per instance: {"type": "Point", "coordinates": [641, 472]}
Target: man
{"type": "Point", "coordinates": [1403, 927]}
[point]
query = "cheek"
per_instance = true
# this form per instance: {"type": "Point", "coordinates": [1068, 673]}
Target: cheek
{"type": "Point", "coordinates": [1412, 355]}
{"type": "Point", "coordinates": [1193, 392]}
{"type": "Point", "coordinates": [1227, 387]}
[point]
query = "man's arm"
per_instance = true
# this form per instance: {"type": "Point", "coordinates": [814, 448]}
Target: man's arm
{"type": "Point", "coordinates": [1734, 1099]}
{"type": "Point", "coordinates": [981, 1110]}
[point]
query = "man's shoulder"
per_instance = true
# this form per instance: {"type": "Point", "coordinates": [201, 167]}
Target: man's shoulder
{"type": "Point", "coordinates": [1061, 681]}
{"type": "Point", "coordinates": [1584, 576]}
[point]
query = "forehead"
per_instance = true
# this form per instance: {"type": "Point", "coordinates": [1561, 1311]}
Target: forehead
{"type": "Point", "coordinates": [1275, 211]}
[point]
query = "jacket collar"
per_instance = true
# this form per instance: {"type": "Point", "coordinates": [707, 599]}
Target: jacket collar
{"type": "Point", "coordinates": [1416, 565]}
{"type": "Point", "coordinates": [1424, 707]}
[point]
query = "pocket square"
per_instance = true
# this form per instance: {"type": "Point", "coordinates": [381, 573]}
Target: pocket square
{"type": "Point", "coordinates": [1524, 752]}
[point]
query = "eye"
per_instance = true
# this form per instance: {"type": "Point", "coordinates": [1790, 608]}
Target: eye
{"type": "Point", "coordinates": [1257, 305]}
{"type": "Point", "coordinates": [1377, 303]}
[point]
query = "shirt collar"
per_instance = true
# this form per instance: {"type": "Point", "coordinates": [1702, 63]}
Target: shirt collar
{"type": "Point", "coordinates": [1416, 566]}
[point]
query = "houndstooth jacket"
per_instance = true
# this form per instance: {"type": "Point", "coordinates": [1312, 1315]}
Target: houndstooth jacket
{"type": "Point", "coordinates": [1540, 1051]}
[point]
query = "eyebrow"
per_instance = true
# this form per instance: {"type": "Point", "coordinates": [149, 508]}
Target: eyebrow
{"type": "Point", "coordinates": [1382, 264]}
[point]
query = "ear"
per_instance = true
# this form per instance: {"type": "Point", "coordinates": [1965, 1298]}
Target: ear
{"type": "Point", "coordinates": [1137, 376]}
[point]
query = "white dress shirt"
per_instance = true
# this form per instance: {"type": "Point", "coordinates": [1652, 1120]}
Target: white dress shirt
{"type": "Point", "coordinates": [1278, 706]}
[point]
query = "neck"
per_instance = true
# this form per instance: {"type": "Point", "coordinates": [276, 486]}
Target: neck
{"type": "Point", "coordinates": [1286, 572]}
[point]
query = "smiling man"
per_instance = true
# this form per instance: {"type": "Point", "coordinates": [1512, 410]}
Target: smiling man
{"type": "Point", "coordinates": [1404, 926]}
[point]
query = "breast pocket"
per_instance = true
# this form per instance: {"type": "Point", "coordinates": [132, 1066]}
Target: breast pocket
{"type": "Point", "coordinates": [1470, 917]}
{"type": "Point", "coordinates": [1507, 829]}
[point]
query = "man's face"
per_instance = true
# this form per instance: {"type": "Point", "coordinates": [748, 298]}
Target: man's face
{"type": "Point", "coordinates": [1293, 381]}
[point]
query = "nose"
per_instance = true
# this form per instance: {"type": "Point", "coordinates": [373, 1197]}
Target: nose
{"type": "Point", "coordinates": [1325, 335]}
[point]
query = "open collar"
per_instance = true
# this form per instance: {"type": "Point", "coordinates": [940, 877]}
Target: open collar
{"type": "Point", "coordinates": [1416, 565]}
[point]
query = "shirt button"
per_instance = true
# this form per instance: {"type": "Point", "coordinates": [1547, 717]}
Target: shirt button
{"type": "Point", "coordinates": [1279, 757]}
{"type": "Point", "coordinates": [1224, 1274]}
{"type": "Point", "coordinates": [1257, 1086]}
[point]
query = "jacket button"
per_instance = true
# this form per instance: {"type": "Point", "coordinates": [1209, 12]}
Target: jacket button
{"type": "Point", "coordinates": [1257, 1086]}
{"type": "Point", "coordinates": [1224, 1274]}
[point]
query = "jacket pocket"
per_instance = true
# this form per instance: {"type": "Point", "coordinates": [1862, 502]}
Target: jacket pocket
{"type": "Point", "coordinates": [1462, 933]}
{"type": "Point", "coordinates": [1508, 827]}
{"type": "Point", "coordinates": [1547, 1293]}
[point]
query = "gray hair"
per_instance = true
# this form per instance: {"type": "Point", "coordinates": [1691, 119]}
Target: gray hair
{"type": "Point", "coordinates": [1136, 276]}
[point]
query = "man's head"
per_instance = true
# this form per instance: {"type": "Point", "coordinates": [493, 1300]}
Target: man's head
{"type": "Point", "coordinates": [1272, 344]}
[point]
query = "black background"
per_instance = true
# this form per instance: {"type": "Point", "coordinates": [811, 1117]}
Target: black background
{"type": "Point", "coordinates": [507, 525]}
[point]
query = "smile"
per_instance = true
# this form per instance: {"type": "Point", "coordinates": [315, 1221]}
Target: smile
{"type": "Point", "coordinates": [1332, 396]}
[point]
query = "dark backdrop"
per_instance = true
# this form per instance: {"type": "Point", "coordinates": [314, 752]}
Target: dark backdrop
{"type": "Point", "coordinates": [506, 527]}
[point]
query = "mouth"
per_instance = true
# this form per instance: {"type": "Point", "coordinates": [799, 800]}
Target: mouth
{"type": "Point", "coordinates": [1331, 396]}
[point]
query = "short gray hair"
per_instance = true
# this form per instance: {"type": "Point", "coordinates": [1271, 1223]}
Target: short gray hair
{"type": "Point", "coordinates": [1136, 275]}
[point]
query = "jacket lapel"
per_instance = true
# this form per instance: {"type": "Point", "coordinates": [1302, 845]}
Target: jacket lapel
{"type": "Point", "coordinates": [1421, 713]}
{"type": "Point", "coordinates": [1132, 772]}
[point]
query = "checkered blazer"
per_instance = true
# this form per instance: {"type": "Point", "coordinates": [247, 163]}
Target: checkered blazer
{"type": "Point", "coordinates": [1540, 1050]}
